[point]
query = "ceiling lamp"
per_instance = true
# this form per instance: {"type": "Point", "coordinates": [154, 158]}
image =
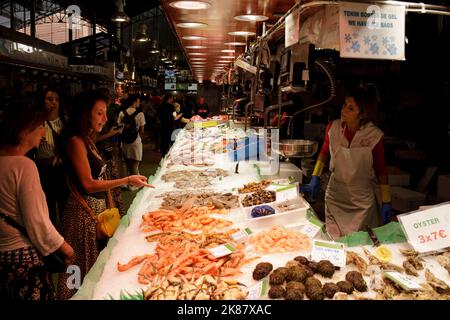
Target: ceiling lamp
{"type": "Point", "coordinates": [120, 15]}
{"type": "Point", "coordinates": [154, 47]}
{"type": "Point", "coordinates": [196, 47]}
{"type": "Point", "coordinates": [142, 33]}
{"type": "Point", "coordinates": [228, 50]}
{"type": "Point", "coordinates": [226, 57]}
{"type": "Point", "coordinates": [198, 58]}
{"type": "Point", "coordinates": [251, 17]}
{"type": "Point", "coordinates": [224, 61]}
{"type": "Point", "coordinates": [194, 38]}
{"type": "Point", "coordinates": [192, 25]}
{"type": "Point", "coordinates": [235, 43]}
{"type": "Point", "coordinates": [76, 52]}
{"type": "Point", "coordinates": [197, 53]}
{"type": "Point", "coordinates": [241, 33]}
{"type": "Point", "coordinates": [190, 5]}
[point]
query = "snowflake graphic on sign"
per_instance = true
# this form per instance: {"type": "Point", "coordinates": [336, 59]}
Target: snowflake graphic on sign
{"type": "Point", "coordinates": [356, 46]}
{"type": "Point", "coordinates": [348, 38]}
{"type": "Point", "coordinates": [392, 49]}
{"type": "Point", "coordinates": [374, 48]}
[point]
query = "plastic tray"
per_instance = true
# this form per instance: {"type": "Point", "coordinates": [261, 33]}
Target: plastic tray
{"type": "Point", "coordinates": [294, 217]}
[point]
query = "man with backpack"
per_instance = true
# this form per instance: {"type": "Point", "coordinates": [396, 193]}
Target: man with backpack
{"type": "Point", "coordinates": [133, 122]}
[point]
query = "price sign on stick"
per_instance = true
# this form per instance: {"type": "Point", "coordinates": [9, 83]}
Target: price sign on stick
{"type": "Point", "coordinates": [428, 230]}
{"type": "Point", "coordinates": [327, 250]}
{"type": "Point", "coordinates": [222, 250]}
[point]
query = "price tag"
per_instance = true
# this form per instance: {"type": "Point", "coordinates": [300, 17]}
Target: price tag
{"type": "Point", "coordinates": [242, 235]}
{"type": "Point", "coordinates": [284, 191]}
{"type": "Point", "coordinates": [205, 124]}
{"type": "Point", "coordinates": [428, 230]}
{"type": "Point", "coordinates": [405, 282]}
{"type": "Point", "coordinates": [327, 250]}
{"type": "Point", "coordinates": [312, 227]}
{"type": "Point", "coordinates": [259, 290]}
{"type": "Point", "coordinates": [222, 250]}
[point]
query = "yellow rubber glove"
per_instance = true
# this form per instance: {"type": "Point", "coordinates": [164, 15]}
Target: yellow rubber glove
{"type": "Point", "coordinates": [385, 193]}
{"type": "Point", "coordinates": [318, 169]}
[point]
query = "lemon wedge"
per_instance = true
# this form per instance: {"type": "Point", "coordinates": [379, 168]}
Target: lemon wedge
{"type": "Point", "coordinates": [383, 253]}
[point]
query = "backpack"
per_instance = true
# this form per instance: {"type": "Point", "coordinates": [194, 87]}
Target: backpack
{"type": "Point", "coordinates": [130, 132]}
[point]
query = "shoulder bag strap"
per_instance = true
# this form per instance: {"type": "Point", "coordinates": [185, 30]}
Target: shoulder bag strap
{"type": "Point", "coordinates": [79, 198]}
{"type": "Point", "coordinates": [13, 224]}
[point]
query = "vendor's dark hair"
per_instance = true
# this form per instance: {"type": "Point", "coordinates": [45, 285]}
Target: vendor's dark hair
{"type": "Point", "coordinates": [367, 102]}
{"type": "Point", "coordinates": [80, 119]}
{"type": "Point", "coordinates": [18, 114]}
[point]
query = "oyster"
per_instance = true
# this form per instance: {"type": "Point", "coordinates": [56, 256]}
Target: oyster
{"type": "Point", "coordinates": [358, 261]}
{"type": "Point", "coordinates": [444, 261]}
{"type": "Point", "coordinates": [438, 285]}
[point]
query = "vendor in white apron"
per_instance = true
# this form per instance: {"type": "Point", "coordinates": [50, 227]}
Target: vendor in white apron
{"type": "Point", "coordinates": [355, 148]}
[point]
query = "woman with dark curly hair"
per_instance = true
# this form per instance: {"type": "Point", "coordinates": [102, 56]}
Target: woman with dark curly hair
{"type": "Point", "coordinates": [86, 172]}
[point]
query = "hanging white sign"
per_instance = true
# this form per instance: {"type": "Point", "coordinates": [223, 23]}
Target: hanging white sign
{"type": "Point", "coordinates": [370, 31]}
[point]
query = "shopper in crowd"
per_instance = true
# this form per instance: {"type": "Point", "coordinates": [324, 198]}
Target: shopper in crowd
{"type": "Point", "coordinates": [22, 274]}
{"type": "Point", "coordinates": [202, 108]}
{"type": "Point", "coordinates": [48, 159]}
{"type": "Point", "coordinates": [154, 125]}
{"type": "Point", "coordinates": [133, 120]}
{"type": "Point", "coordinates": [165, 114]}
{"type": "Point", "coordinates": [178, 117]}
{"type": "Point", "coordinates": [86, 171]}
{"type": "Point", "coordinates": [189, 106]}
{"type": "Point", "coordinates": [355, 148]}
{"type": "Point", "coordinates": [108, 144]}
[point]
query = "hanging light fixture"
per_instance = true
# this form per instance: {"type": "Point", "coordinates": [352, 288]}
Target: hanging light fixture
{"type": "Point", "coordinates": [120, 15]}
{"type": "Point", "coordinates": [190, 5]}
{"type": "Point", "coordinates": [154, 47]}
{"type": "Point", "coordinates": [142, 33]}
{"type": "Point", "coordinates": [76, 52]}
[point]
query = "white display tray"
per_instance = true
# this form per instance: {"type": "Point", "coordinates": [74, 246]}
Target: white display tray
{"type": "Point", "coordinates": [295, 217]}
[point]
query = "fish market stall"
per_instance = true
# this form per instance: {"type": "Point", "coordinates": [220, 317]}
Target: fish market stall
{"type": "Point", "coordinates": [210, 230]}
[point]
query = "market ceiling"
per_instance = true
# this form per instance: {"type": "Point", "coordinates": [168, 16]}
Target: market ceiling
{"type": "Point", "coordinates": [217, 46]}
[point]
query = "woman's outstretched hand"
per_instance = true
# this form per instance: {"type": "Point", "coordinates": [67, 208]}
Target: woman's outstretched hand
{"type": "Point", "coordinates": [139, 181]}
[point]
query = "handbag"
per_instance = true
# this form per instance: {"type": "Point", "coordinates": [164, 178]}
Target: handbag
{"type": "Point", "coordinates": [54, 262]}
{"type": "Point", "coordinates": [107, 221]}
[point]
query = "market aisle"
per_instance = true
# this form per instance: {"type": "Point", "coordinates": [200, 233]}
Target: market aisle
{"type": "Point", "coordinates": [148, 166]}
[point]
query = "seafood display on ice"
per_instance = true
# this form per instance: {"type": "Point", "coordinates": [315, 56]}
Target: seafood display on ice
{"type": "Point", "coordinates": [259, 197]}
{"type": "Point", "coordinates": [181, 257]}
{"type": "Point", "coordinates": [194, 219]}
{"type": "Point", "coordinates": [202, 240]}
{"type": "Point", "coordinates": [185, 179]}
{"type": "Point", "coordinates": [185, 261]}
{"type": "Point", "coordinates": [204, 288]}
{"type": "Point", "coordinates": [279, 239]}
{"type": "Point", "coordinates": [254, 186]}
{"type": "Point", "coordinates": [444, 261]}
{"type": "Point", "coordinates": [383, 265]}
{"type": "Point", "coordinates": [358, 261]}
{"type": "Point", "coordinates": [175, 200]}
